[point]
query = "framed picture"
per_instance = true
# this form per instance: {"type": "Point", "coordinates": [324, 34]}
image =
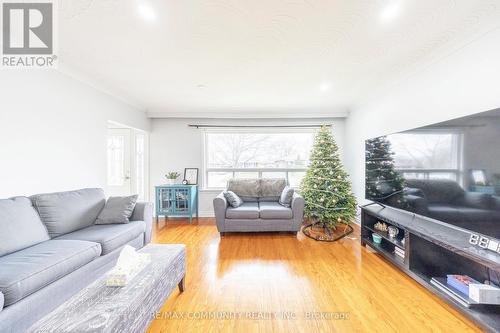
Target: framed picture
{"type": "Point", "coordinates": [478, 177]}
{"type": "Point", "coordinates": [191, 176]}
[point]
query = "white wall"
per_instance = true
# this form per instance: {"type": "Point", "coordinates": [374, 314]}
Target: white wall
{"type": "Point", "coordinates": [175, 146]}
{"type": "Point", "coordinates": [53, 132]}
{"type": "Point", "coordinates": [463, 83]}
{"type": "Point", "coordinates": [481, 147]}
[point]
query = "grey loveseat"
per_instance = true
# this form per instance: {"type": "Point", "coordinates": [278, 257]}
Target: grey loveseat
{"type": "Point", "coordinates": [50, 248]}
{"type": "Point", "coordinates": [260, 210]}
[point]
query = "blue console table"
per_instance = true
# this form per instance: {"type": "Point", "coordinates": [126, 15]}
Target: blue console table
{"type": "Point", "coordinates": [177, 200]}
{"type": "Point", "coordinates": [488, 189]}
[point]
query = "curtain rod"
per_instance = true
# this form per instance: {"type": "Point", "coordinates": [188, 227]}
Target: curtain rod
{"type": "Point", "coordinates": [256, 126]}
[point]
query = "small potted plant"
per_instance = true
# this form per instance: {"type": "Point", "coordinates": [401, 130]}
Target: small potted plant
{"type": "Point", "coordinates": [171, 177]}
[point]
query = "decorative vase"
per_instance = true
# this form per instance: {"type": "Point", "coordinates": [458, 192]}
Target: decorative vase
{"type": "Point", "coordinates": [377, 239]}
{"type": "Point", "coordinates": [393, 231]}
{"type": "Point", "coordinates": [170, 181]}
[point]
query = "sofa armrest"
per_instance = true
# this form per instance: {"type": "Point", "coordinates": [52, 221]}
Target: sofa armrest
{"type": "Point", "coordinates": [418, 204]}
{"type": "Point", "coordinates": [220, 206]}
{"type": "Point", "coordinates": [143, 211]}
{"type": "Point", "coordinates": [298, 204]}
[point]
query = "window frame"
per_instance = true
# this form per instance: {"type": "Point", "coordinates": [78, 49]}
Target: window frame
{"type": "Point", "coordinates": [255, 130]}
{"type": "Point", "coordinates": [458, 172]}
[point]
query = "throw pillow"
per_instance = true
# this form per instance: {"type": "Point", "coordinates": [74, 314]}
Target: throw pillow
{"type": "Point", "coordinates": [20, 226]}
{"type": "Point", "coordinates": [233, 199]}
{"type": "Point", "coordinates": [286, 197]}
{"type": "Point", "coordinates": [117, 210]}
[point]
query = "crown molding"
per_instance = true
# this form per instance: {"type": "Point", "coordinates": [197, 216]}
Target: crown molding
{"type": "Point", "coordinates": [242, 114]}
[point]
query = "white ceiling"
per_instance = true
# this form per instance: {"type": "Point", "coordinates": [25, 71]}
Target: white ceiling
{"type": "Point", "coordinates": [230, 58]}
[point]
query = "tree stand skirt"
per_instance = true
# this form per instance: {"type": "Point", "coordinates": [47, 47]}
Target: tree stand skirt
{"type": "Point", "coordinates": [326, 234]}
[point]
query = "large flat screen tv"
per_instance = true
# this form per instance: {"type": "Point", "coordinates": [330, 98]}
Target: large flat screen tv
{"type": "Point", "coordinates": [448, 171]}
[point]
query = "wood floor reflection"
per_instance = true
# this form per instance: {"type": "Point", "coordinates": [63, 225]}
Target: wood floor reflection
{"type": "Point", "coordinates": [276, 282]}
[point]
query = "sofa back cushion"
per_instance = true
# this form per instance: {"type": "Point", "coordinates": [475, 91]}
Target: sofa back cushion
{"type": "Point", "coordinates": [272, 187]}
{"type": "Point", "coordinates": [244, 187]}
{"type": "Point", "coordinates": [20, 225]}
{"type": "Point", "coordinates": [438, 191]}
{"type": "Point", "coordinates": [252, 190]}
{"type": "Point", "coordinates": [64, 212]}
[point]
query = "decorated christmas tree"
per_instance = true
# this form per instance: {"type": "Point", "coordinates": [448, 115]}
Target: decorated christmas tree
{"type": "Point", "coordinates": [383, 182]}
{"type": "Point", "coordinates": [326, 188]}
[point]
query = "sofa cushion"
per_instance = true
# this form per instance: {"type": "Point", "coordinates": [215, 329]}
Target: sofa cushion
{"type": "Point", "coordinates": [117, 210]}
{"type": "Point", "coordinates": [248, 210]}
{"type": "Point", "coordinates": [273, 210]}
{"type": "Point", "coordinates": [20, 225]}
{"type": "Point", "coordinates": [110, 236]}
{"type": "Point", "coordinates": [272, 187]}
{"type": "Point", "coordinates": [476, 215]}
{"type": "Point", "coordinates": [27, 271]}
{"type": "Point", "coordinates": [64, 212]}
{"type": "Point", "coordinates": [444, 212]}
{"type": "Point", "coordinates": [476, 200]}
{"type": "Point", "coordinates": [244, 187]}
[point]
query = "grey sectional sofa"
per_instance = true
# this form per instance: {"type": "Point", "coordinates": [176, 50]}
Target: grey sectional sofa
{"type": "Point", "coordinates": [447, 201]}
{"type": "Point", "coordinates": [260, 211]}
{"type": "Point", "coordinates": [50, 248]}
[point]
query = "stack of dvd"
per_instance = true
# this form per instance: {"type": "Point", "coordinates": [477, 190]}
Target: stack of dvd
{"type": "Point", "coordinates": [453, 292]}
{"type": "Point", "coordinates": [399, 252]}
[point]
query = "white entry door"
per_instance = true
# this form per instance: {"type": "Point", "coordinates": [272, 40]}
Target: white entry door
{"type": "Point", "coordinates": [119, 162]}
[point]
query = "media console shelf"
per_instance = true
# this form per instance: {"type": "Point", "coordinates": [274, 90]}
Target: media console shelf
{"type": "Point", "coordinates": [434, 249]}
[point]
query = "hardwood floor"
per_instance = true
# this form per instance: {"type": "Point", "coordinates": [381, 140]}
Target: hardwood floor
{"type": "Point", "coordinates": [288, 283]}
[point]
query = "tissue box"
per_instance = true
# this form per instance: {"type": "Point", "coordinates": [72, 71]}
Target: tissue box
{"type": "Point", "coordinates": [117, 280]}
{"type": "Point", "coordinates": [484, 293]}
{"type": "Point", "coordinates": [129, 264]}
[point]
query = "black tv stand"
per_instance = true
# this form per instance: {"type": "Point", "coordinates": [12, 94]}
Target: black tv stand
{"type": "Point", "coordinates": [434, 249]}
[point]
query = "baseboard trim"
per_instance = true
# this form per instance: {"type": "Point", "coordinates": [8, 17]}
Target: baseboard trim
{"type": "Point", "coordinates": [201, 214]}
{"type": "Point", "coordinates": [207, 214]}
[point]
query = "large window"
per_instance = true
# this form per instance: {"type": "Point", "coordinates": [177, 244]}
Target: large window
{"type": "Point", "coordinates": [428, 154]}
{"type": "Point", "coordinates": [255, 153]}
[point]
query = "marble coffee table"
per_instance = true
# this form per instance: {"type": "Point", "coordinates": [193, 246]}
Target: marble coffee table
{"type": "Point", "coordinates": [98, 308]}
